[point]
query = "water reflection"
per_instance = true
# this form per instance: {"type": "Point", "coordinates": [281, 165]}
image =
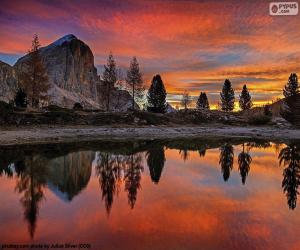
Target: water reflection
{"type": "Point", "coordinates": [226, 160]}
{"type": "Point", "coordinates": [32, 178]}
{"type": "Point", "coordinates": [156, 162]}
{"type": "Point", "coordinates": [289, 157]}
{"type": "Point", "coordinates": [66, 172]}
{"type": "Point", "coordinates": [244, 160]}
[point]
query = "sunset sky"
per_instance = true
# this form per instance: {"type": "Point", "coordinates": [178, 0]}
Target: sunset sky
{"type": "Point", "coordinates": [194, 45]}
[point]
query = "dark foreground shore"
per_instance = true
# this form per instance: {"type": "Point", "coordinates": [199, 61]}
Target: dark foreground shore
{"type": "Point", "coordinates": [17, 136]}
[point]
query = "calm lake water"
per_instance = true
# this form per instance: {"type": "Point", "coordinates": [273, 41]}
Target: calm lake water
{"type": "Point", "coordinates": [196, 194]}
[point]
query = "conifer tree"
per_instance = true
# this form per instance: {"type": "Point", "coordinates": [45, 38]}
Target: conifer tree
{"type": "Point", "coordinates": [227, 96]}
{"type": "Point", "coordinates": [156, 96]}
{"type": "Point", "coordinates": [202, 102]}
{"type": "Point", "coordinates": [109, 78]}
{"type": "Point", "coordinates": [35, 80]}
{"type": "Point", "coordinates": [291, 88]}
{"type": "Point", "coordinates": [135, 81]}
{"type": "Point", "coordinates": [244, 160]}
{"type": "Point", "coordinates": [245, 99]}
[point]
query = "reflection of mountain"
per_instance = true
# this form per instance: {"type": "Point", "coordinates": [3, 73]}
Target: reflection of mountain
{"type": "Point", "coordinates": [226, 160]}
{"type": "Point", "coordinates": [69, 174]}
{"type": "Point", "coordinates": [156, 161]}
{"type": "Point", "coordinates": [290, 158]}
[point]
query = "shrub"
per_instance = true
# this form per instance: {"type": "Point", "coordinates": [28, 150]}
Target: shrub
{"type": "Point", "coordinates": [259, 119]}
{"type": "Point", "coordinates": [77, 106]}
{"type": "Point", "coordinates": [5, 109]}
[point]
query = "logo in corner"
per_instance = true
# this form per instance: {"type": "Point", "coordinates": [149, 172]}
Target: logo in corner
{"type": "Point", "coordinates": [283, 8]}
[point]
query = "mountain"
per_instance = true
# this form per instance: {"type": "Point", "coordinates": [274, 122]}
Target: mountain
{"type": "Point", "coordinates": [8, 82]}
{"type": "Point", "coordinates": [72, 75]}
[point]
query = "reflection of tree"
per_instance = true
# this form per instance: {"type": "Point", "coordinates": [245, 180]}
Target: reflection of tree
{"type": "Point", "coordinates": [156, 161]}
{"type": "Point", "coordinates": [202, 152]}
{"type": "Point", "coordinates": [108, 170]}
{"type": "Point", "coordinates": [226, 160]}
{"type": "Point", "coordinates": [132, 176]}
{"type": "Point", "coordinates": [244, 160]}
{"type": "Point", "coordinates": [290, 158]}
{"type": "Point", "coordinates": [6, 169]}
{"type": "Point", "coordinates": [32, 178]}
{"type": "Point", "coordinates": [184, 153]}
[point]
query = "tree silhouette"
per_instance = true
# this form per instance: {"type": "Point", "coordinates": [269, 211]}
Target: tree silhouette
{"type": "Point", "coordinates": [35, 80]}
{"type": "Point", "coordinates": [156, 96]}
{"type": "Point", "coordinates": [227, 96]}
{"type": "Point", "coordinates": [184, 153]}
{"type": "Point", "coordinates": [32, 178]}
{"type": "Point", "coordinates": [109, 79]}
{"type": "Point", "coordinates": [291, 88]}
{"type": "Point", "coordinates": [135, 81]}
{"type": "Point", "coordinates": [244, 160]}
{"type": "Point", "coordinates": [108, 170]}
{"type": "Point", "coordinates": [132, 177]}
{"type": "Point", "coordinates": [156, 161]}
{"type": "Point", "coordinates": [202, 152]}
{"type": "Point", "coordinates": [226, 160]}
{"type": "Point", "coordinates": [290, 158]}
{"type": "Point", "coordinates": [202, 102]}
{"type": "Point", "coordinates": [245, 99]}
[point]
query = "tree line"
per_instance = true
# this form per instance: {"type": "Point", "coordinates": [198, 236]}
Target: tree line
{"type": "Point", "coordinates": [33, 87]}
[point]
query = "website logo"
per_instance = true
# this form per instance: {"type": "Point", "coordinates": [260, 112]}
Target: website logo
{"type": "Point", "coordinates": [283, 8]}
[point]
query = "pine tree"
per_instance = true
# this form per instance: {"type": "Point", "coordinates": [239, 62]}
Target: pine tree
{"type": "Point", "coordinates": [291, 88]}
{"type": "Point", "coordinates": [156, 96]}
{"type": "Point", "coordinates": [135, 81]}
{"type": "Point", "coordinates": [21, 98]}
{"type": "Point", "coordinates": [202, 102]}
{"type": "Point", "coordinates": [245, 99]}
{"type": "Point", "coordinates": [35, 80]}
{"type": "Point", "coordinates": [186, 100]}
{"type": "Point", "coordinates": [227, 96]}
{"type": "Point", "coordinates": [109, 78]}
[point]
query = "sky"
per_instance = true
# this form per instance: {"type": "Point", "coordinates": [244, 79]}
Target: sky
{"type": "Point", "coordinates": [193, 45]}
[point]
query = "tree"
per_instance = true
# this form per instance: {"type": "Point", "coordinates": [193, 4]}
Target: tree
{"type": "Point", "coordinates": [245, 99]}
{"type": "Point", "coordinates": [291, 88]}
{"type": "Point", "coordinates": [186, 99]}
{"type": "Point", "coordinates": [227, 96]}
{"type": "Point", "coordinates": [156, 96]}
{"type": "Point", "coordinates": [135, 81]}
{"type": "Point", "coordinates": [34, 80]}
{"type": "Point", "coordinates": [20, 98]}
{"type": "Point", "coordinates": [109, 78]}
{"type": "Point", "coordinates": [202, 102]}
{"type": "Point", "coordinates": [226, 160]}
{"type": "Point", "coordinates": [244, 161]}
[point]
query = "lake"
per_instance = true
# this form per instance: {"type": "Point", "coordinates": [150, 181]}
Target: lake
{"type": "Point", "coordinates": [166, 194]}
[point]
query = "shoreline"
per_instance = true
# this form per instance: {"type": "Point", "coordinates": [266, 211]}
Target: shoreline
{"type": "Point", "coordinates": [43, 135]}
